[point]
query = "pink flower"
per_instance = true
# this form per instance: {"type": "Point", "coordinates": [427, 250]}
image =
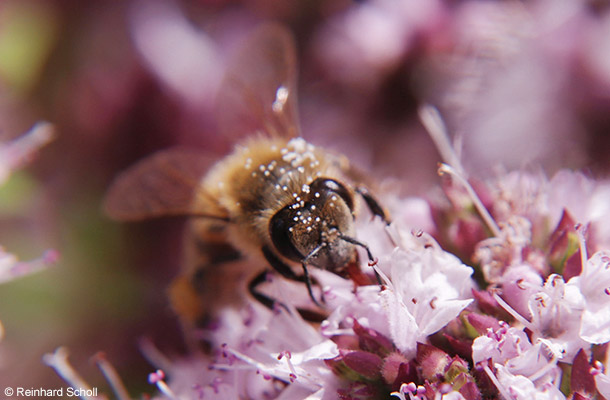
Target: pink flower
{"type": "Point", "coordinates": [285, 348]}
{"type": "Point", "coordinates": [418, 392]}
{"type": "Point", "coordinates": [519, 387]}
{"type": "Point", "coordinates": [522, 369]}
{"type": "Point", "coordinates": [556, 317]}
{"type": "Point", "coordinates": [594, 286]}
{"type": "Point", "coordinates": [428, 288]}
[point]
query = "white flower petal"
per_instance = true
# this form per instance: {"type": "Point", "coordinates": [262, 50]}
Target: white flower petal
{"type": "Point", "coordinates": [522, 388]}
{"type": "Point", "coordinates": [453, 396]}
{"type": "Point", "coordinates": [442, 312]}
{"type": "Point", "coordinates": [404, 331]}
{"type": "Point", "coordinates": [483, 348]}
{"type": "Point", "coordinates": [595, 326]}
{"type": "Point", "coordinates": [556, 317]}
{"type": "Point", "coordinates": [593, 284]}
{"type": "Point", "coordinates": [426, 292]}
{"type": "Point", "coordinates": [321, 351]}
{"type": "Point", "coordinates": [602, 382]}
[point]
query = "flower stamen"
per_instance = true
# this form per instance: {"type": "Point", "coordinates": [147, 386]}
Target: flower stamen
{"type": "Point", "coordinates": [58, 360]}
{"type": "Point", "coordinates": [112, 376]}
{"type": "Point", "coordinates": [544, 370]}
{"type": "Point", "coordinates": [407, 388]}
{"type": "Point", "coordinates": [497, 383]}
{"type": "Point", "coordinates": [154, 355]}
{"type": "Point", "coordinates": [157, 378]}
{"type": "Point", "coordinates": [478, 204]}
{"type": "Point", "coordinates": [582, 243]}
{"type": "Point", "coordinates": [512, 311]}
{"type": "Point", "coordinates": [293, 373]}
{"type": "Point", "coordinates": [267, 371]}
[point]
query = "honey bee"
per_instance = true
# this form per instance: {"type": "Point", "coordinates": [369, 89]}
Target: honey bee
{"type": "Point", "coordinates": [276, 198]}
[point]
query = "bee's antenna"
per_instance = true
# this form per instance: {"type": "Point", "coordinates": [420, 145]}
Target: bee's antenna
{"type": "Point", "coordinates": [359, 243]}
{"type": "Point", "coordinates": [372, 260]}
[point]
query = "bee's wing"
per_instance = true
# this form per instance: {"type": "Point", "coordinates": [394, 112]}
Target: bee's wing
{"type": "Point", "coordinates": [167, 183]}
{"type": "Point", "coordinates": [258, 93]}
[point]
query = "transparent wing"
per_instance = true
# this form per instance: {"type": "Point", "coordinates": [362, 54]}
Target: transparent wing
{"type": "Point", "coordinates": [164, 184]}
{"type": "Point", "coordinates": [258, 93]}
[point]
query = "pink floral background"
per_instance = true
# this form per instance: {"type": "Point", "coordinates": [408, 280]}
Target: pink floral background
{"type": "Point", "coordinates": [523, 88]}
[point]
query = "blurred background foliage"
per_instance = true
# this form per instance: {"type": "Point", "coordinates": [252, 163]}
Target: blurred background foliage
{"type": "Point", "coordinates": [523, 83]}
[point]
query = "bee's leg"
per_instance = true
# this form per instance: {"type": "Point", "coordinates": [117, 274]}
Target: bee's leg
{"type": "Point", "coordinates": [308, 283]}
{"type": "Point", "coordinates": [288, 273]}
{"type": "Point", "coordinates": [270, 303]}
{"type": "Point", "coordinates": [378, 210]}
{"type": "Point", "coordinates": [361, 182]}
{"type": "Point", "coordinates": [373, 204]}
{"type": "Point", "coordinates": [260, 297]}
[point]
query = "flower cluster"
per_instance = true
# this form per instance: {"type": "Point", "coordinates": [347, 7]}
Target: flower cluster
{"type": "Point", "coordinates": [540, 272]}
{"type": "Point", "coordinates": [375, 339]}
{"type": "Point", "coordinates": [522, 313]}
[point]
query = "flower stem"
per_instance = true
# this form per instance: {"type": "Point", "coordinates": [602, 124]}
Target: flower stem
{"type": "Point", "coordinates": [433, 122]}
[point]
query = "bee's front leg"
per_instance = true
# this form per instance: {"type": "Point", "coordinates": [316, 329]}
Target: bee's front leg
{"type": "Point", "coordinates": [287, 273]}
{"type": "Point", "coordinates": [260, 297]}
{"type": "Point", "coordinates": [373, 204]}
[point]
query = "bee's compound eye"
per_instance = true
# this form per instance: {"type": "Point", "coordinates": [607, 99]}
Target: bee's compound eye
{"type": "Point", "coordinates": [326, 185]}
{"type": "Point", "coordinates": [281, 237]}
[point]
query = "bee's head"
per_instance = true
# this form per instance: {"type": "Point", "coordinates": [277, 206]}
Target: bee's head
{"type": "Point", "coordinates": [314, 229]}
